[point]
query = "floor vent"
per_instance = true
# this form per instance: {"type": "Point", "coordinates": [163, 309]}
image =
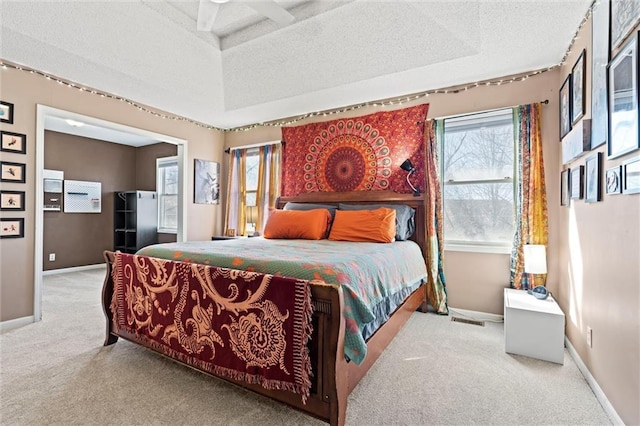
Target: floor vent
{"type": "Point", "coordinates": [468, 321]}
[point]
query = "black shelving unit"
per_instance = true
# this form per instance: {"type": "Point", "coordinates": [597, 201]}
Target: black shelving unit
{"type": "Point", "coordinates": [135, 220]}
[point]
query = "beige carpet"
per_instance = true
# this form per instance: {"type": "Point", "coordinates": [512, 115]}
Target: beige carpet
{"type": "Point", "coordinates": [435, 372]}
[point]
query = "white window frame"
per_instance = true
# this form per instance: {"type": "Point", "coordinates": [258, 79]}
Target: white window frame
{"type": "Point", "coordinates": [497, 247]}
{"type": "Point", "coordinates": [164, 162]}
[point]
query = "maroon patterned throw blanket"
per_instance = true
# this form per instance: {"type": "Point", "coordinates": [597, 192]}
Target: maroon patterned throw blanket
{"type": "Point", "coordinates": [241, 325]}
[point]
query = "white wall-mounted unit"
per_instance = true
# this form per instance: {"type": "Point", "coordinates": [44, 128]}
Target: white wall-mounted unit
{"type": "Point", "coordinates": [82, 196]}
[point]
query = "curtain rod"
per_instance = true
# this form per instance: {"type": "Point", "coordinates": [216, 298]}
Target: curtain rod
{"type": "Point", "coordinates": [545, 102]}
{"type": "Point", "coordinates": [255, 145]}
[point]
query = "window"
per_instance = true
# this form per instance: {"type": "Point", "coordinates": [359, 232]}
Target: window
{"type": "Point", "coordinates": [167, 189]}
{"type": "Point", "coordinates": [251, 175]}
{"type": "Point", "coordinates": [478, 181]}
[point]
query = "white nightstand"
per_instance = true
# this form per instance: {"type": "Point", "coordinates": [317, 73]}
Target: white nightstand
{"type": "Point", "coordinates": [533, 327]}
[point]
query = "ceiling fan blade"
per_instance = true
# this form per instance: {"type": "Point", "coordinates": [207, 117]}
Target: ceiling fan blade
{"type": "Point", "coordinates": [207, 12]}
{"type": "Point", "coordinates": [271, 10]}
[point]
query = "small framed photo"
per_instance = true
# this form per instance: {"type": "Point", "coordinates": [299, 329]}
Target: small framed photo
{"type": "Point", "coordinates": [231, 232]}
{"type": "Point", "coordinates": [12, 227]}
{"type": "Point", "coordinates": [614, 180]}
{"type": "Point", "coordinates": [6, 112]}
{"type": "Point", "coordinates": [578, 88]}
{"type": "Point", "coordinates": [565, 187]}
{"type": "Point", "coordinates": [631, 176]}
{"type": "Point", "coordinates": [622, 94]}
{"type": "Point", "coordinates": [13, 142]}
{"type": "Point", "coordinates": [565, 107]}
{"type": "Point", "coordinates": [577, 186]}
{"type": "Point", "coordinates": [206, 182]}
{"type": "Point", "coordinates": [593, 178]}
{"type": "Point", "coordinates": [12, 200]}
{"type": "Point", "coordinates": [12, 172]}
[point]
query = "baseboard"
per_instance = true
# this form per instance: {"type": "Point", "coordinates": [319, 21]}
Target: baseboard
{"type": "Point", "coordinates": [73, 269]}
{"type": "Point", "coordinates": [15, 323]}
{"type": "Point", "coordinates": [600, 396]}
{"type": "Point", "coordinates": [476, 315]}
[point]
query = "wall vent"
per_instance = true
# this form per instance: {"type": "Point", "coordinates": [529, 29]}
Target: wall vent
{"type": "Point", "coordinates": [467, 321]}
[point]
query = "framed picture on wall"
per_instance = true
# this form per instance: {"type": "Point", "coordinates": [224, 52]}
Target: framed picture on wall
{"type": "Point", "coordinates": [578, 88]}
{"type": "Point", "coordinates": [600, 55]}
{"type": "Point", "coordinates": [622, 94]}
{"type": "Point", "coordinates": [624, 16]}
{"type": "Point", "coordinates": [12, 227]}
{"type": "Point", "coordinates": [613, 180]}
{"type": "Point", "coordinates": [577, 176]}
{"type": "Point", "coordinates": [565, 107]}
{"type": "Point", "coordinates": [6, 112]}
{"type": "Point", "coordinates": [12, 172]}
{"type": "Point", "coordinates": [13, 142]}
{"type": "Point", "coordinates": [565, 187]}
{"type": "Point", "coordinates": [593, 178]}
{"type": "Point", "coordinates": [206, 182]}
{"type": "Point", "coordinates": [631, 176]}
{"type": "Point", "coordinates": [12, 200]}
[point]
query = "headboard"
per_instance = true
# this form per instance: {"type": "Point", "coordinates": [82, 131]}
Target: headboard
{"type": "Point", "coordinates": [369, 197]}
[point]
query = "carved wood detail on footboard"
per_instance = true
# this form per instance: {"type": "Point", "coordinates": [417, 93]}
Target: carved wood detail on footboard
{"type": "Point", "coordinates": [329, 390]}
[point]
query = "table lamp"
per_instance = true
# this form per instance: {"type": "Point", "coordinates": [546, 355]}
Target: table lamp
{"type": "Point", "coordinates": [535, 262]}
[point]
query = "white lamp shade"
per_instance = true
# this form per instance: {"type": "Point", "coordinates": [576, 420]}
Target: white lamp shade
{"type": "Point", "coordinates": [535, 259]}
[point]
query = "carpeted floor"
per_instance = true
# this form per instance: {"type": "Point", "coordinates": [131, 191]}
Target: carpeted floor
{"type": "Point", "coordinates": [434, 372]}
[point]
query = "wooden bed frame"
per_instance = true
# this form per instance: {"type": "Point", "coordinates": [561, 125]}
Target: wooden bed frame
{"type": "Point", "coordinates": [333, 377]}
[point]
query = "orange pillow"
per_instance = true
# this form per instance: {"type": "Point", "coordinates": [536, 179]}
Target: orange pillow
{"type": "Point", "coordinates": [377, 225]}
{"type": "Point", "coordinates": [297, 224]}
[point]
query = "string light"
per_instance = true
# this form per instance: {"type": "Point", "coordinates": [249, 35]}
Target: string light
{"type": "Point", "coordinates": [287, 122]}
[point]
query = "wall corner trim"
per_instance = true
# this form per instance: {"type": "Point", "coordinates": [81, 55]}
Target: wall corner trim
{"type": "Point", "coordinates": [16, 323]}
{"type": "Point", "coordinates": [600, 396]}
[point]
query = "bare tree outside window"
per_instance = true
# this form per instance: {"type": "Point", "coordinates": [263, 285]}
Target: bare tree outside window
{"type": "Point", "coordinates": [167, 189]}
{"type": "Point", "coordinates": [251, 176]}
{"type": "Point", "coordinates": [478, 176]}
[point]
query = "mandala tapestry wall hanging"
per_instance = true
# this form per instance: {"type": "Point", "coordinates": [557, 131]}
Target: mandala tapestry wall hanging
{"type": "Point", "coordinates": [355, 154]}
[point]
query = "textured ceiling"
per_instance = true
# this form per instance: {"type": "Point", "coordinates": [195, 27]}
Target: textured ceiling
{"type": "Point", "coordinates": [249, 69]}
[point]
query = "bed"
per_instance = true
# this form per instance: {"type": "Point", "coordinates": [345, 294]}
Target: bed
{"type": "Point", "coordinates": [338, 356]}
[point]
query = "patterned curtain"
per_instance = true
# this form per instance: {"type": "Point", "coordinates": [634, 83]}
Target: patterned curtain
{"type": "Point", "coordinates": [268, 182]}
{"type": "Point", "coordinates": [437, 290]}
{"type": "Point", "coordinates": [531, 196]}
{"type": "Point", "coordinates": [236, 191]}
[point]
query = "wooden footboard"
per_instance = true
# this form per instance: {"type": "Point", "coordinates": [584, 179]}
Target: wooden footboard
{"type": "Point", "coordinates": [333, 377]}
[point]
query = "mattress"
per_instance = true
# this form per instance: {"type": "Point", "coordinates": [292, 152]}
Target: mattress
{"type": "Point", "coordinates": [375, 277]}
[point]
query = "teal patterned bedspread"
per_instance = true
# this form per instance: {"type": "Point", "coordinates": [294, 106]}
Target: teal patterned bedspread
{"type": "Point", "coordinates": [367, 272]}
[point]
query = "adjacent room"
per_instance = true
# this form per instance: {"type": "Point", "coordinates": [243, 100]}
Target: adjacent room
{"type": "Point", "coordinates": [309, 212]}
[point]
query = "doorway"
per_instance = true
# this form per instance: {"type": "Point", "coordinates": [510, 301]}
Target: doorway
{"type": "Point", "coordinates": [49, 118]}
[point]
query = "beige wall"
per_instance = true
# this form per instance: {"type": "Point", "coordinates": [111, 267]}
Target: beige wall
{"type": "Point", "coordinates": [25, 91]}
{"type": "Point", "coordinates": [599, 273]}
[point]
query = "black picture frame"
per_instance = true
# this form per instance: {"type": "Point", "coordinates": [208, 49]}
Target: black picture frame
{"type": "Point", "coordinates": [600, 55]}
{"type": "Point", "coordinates": [631, 176]}
{"type": "Point", "coordinates": [565, 107]}
{"type": "Point", "coordinates": [593, 178]}
{"type": "Point", "coordinates": [578, 88]}
{"type": "Point", "coordinates": [6, 112]}
{"type": "Point", "coordinates": [12, 201]}
{"type": "Point", "coordinates": [13, 142]}
{"type": "Point", "coordinates": [622, 98]}
{"type": "Point", "coordinates": [614, 180]}
{"type": "Point", "coordinates": [565, 187]}
{"type": "Point", "coordinates": [624, 16]}
{"type": "Point", "coordinates": [206, 182]}
{"type": "Point", "coordinates": [12, 227]}
{"type": "Point", "coordinates": [13, 172]}
{"type": "Point", "coordinates": [577, 183]}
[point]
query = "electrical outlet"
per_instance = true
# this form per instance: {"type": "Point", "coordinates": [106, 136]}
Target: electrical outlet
{"type": "Point", "coordinates": [52, 257]}
{"type": "Point", "coordinates": [589, 337]}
